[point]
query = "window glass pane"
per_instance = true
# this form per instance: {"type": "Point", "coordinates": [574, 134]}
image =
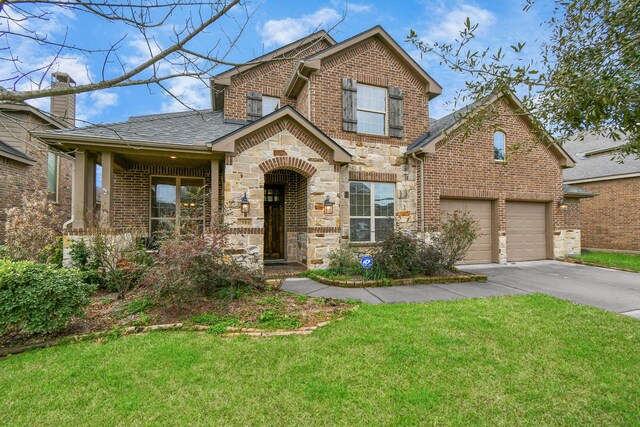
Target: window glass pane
{"type": "Point", "coordinates": [52, 176]}
{"type": "Point", "coordinates": [372, 98]}
{"type": "Point", "coordinates": [384, 227]}
{"type": "Point", "coordinates": [192, 198]}
{"type": "Point", "coordinates": [360, 199]}
{"type": "Point", "coordinates": [372, 123]}
{"type": "Point", "coordinates": [161, 228]}
{"type": "Point", "coordinates": [360, 230]}
{"type": "Point", "coordinates": [384, 199]}
{"type": "Point", "coordinates": [269, 104]}
{"type": "Point", "coordinates": [498, 146]}
{"type": "Point", "coordinates": [163, 197]}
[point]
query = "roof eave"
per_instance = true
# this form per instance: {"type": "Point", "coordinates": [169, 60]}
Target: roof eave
{"type": "Point", "coordinates": [26, 160]}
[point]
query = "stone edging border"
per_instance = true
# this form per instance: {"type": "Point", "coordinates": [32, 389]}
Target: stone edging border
{"type": "Point", "coordinates": [231, 331]}
{"type": "Point", "coordinates": [595, 264]}
{"type": "Point", "coordinates": [420, 280]}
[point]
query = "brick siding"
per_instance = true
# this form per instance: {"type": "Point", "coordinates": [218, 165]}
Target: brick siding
{"type": "Point", "coordinates": [611, 220]}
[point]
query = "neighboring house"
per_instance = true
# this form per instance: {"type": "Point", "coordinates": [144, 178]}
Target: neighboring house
{"type": "Point", "coordinates": [27, 164]}
{"type": "Point", "coordinates": [328, 145]}
{"type": "Point", "coordinates": [611, 220]}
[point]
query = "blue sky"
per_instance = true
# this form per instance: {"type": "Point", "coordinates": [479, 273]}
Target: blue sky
{"type": "Point", "coordinates": [273, 23]}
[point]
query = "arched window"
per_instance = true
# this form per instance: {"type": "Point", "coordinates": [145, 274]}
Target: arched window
{"type": "Point", "coordinates": [498, 146]}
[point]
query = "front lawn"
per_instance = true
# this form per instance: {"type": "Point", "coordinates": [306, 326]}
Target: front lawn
{"type": "Point", "coordinates": [613, 259]}
{"type": "Point", "coordinates": [527, 360]}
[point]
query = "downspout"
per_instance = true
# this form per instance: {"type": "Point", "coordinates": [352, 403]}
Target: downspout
{"type": "Point", "coordinates": [306, 79]}
{"type": "Point", "coordinates": [421, 192]}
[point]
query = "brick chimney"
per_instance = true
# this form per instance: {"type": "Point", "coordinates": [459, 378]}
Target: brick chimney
{"type": "Point", "coordinates": [63, 106]}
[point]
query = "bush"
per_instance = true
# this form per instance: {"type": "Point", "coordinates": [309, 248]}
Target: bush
{"type": "Point", "coordinates": [32, 231]}
{"type": "Point", "coordinates": [38, 298]}
{"type": "Point", "coordinates": [402, 255]}
{"type": "Point", "coordinates": [457, 235]}
{"type": "Point", "coordinates": [110, 261]}
{"type": "Point", "coordinates": [187, 266]}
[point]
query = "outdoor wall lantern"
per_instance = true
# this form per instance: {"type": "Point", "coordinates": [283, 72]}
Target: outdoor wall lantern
{"type": "Point", "coordinates": [328, 206]}
{"type": "Point", "coordinates": [245, 206]}
{"type": "Point", "coordinates": [562, 203]}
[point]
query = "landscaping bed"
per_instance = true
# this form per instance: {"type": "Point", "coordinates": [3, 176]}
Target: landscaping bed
{"type": "Point", "coordinates": [615, 260]}
{"type": "Point", "coordinates": [327, 277]}
{"type": "Point", "coordinates": [265, 310]}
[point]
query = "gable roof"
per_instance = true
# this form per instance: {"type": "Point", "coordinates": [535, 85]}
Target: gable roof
{"type": "Point", "coordinates": [224, 78]}
{"type": "Point", "coordinates": [8, 151]}
{"type": "Point", "coordinates": [313, 62]}
{"type": "Point", "coordinates": [186, 129]}
{"type": "Point", "coordinates": [596, 159]}
{"type": "Point", "coordinates": [226, 143]}
{"type": "Point", "coordinates": [21, 106]}
{"type": "Point", "coordinates": [427, 142]}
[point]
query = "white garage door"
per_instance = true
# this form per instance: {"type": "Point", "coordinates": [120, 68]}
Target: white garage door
{"type": "Point", "coordinates": [526, 231]}
{"type": "Point", "coordinates": [480, 250]}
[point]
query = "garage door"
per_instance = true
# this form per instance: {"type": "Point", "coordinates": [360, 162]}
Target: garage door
{"type": "Point", "coordinates": [480, 251]}
{"type": "Point", "coordinates": [526, 231]}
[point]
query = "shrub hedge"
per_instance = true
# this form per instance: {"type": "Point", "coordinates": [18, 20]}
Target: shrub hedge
{"type": "Point", "coordinates": [38, 298]}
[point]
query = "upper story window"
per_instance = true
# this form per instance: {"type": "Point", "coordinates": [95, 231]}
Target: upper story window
{"type": "Point", "coordinates": [498, 146]}
{"type": "Point", "coordinates": [53, 163]}
{"type": "Point", "coordinates": [372, 109]}
{"type": "Point", "coordinates": [269, 104]}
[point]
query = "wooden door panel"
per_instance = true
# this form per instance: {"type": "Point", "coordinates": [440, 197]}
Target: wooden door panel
{"type": "Point", "coordinates": [274, 222]}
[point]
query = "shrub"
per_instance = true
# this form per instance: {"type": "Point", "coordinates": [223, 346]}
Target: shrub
{"type": "Point", "coordinates": [31, 229]}
{"type": "Point", "coordinates": [38, 298]}
{"type": "Point", "coordinates": [402, 255]}
{"type": "Point", "coordinates": [343, 261]}
{"type": "Point", "coordinates": [457, 235]}
{"type": "Point", "coordinates": [110, 261]}
{"type": "Point", "coordinates": [187, 266]}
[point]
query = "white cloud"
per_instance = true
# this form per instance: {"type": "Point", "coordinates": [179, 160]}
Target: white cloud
{"type": "Point", "coordinates": [449, 26]}
{"type": "Point", "coordinates": [286, 30]}
{"type": "Point", "coordinates": [359, 7]}
{"type": "Point", "coordinates": [91, 105]}
{"type": "Point", "coordinates": [190, 90]}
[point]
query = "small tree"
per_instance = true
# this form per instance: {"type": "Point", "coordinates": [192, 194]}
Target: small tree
{"type": "Point", "coordinates": [456, 236]}
{"type": "Point", "coordinates": [32, 230]}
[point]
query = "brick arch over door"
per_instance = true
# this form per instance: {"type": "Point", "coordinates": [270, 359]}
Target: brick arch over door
{"type": "Point", "coordinates": [289, 163]}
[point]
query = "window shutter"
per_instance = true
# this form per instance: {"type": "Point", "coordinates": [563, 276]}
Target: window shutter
{"type": "Point", "coordinates": [396, 126]}
{"type": "Point", "coordinates": [349, 105]}
{"type": "Point", "coordinates": [254, 106]}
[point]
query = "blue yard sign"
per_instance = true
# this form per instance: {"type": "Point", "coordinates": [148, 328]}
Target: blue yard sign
{"type": "Point", "coordinates": [367, 262]}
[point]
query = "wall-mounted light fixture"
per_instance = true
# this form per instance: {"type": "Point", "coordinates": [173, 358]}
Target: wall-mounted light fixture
{"type": "Point", "coordinates": [245, 206]}
{"type": "Point", "coordinates": [328, 206]}
{"type": "Point", "coordinates": [562, 204]}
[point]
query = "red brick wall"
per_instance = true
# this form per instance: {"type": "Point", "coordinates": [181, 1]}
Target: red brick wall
{"type": "Point", "coordinates": [572, 213]}
{"type": "Point", "coordinates": [466, 168]}
{"type": "Point", "coordinates": [369, 63]}
{"type": "Point", "coordinates": [611, 220]}
{"type": "Point", "coordinates": [270, 79]}
{"type": "Point", "coordinates": [18, 178]}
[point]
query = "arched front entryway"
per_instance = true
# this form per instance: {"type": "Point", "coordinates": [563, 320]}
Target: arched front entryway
{"type": "Point", "coordinates": [285, 209]}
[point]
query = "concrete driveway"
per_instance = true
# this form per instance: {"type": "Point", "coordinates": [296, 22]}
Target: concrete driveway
{"type": "Point", "coordinates": [611, 290]}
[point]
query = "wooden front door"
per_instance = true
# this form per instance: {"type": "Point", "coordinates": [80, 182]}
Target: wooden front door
{"type": "Point", "coordinates": [274, 223]}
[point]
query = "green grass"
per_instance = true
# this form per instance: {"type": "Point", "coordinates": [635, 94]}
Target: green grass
{"type": "Point", "coordinates": [614, 260]}
{"type": "Point", "coordinates": [527, 360]}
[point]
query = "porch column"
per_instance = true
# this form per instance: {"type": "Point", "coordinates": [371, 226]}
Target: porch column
{"type": "Point", "coordinates": [90, 188]}
{"type": "Point", "coordinates": [107, 185]}
{"type": "Point", "coordinates": [215, 180]}
{"type": "Point", "coordinates": [79, 169]}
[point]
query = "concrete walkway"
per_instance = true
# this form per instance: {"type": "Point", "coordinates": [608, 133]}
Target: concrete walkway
{"type": "Point", "coordinates": [611, 290]}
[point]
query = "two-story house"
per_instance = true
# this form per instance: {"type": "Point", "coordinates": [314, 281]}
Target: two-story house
{"type": "Point", "coordinates": [319, 145]}
{"type": "Point", "coordinates": [27, 164]}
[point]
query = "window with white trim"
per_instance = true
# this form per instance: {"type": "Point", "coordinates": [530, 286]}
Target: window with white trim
{"type": "Point", "coordinates": [372, 109]}
{"type": "Point", "coordinates": [269, 104]}
{"type": "Point", "coordinates": [498, 146]}
{"type": "Point", "coordinates": [371, 211]}
{"type": "Point", "coordinates": [177, 205]}
{"type": "Point", "coordinates": [53, 165]}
